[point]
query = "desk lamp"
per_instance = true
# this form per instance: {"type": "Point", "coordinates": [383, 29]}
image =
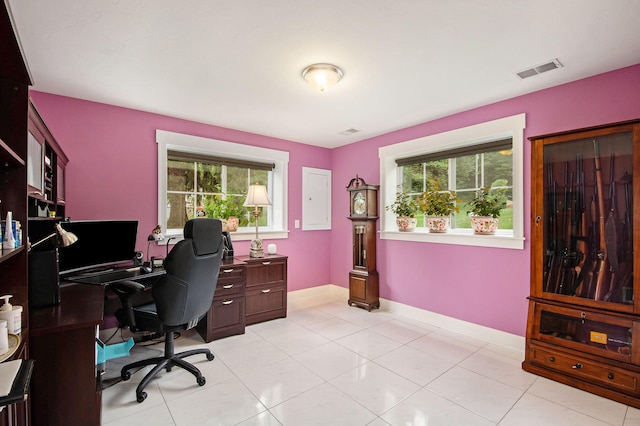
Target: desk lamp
{"type": "Point", "coordinates": [256, 197]}
{"type": "Point", "coordinates": [65, 238]}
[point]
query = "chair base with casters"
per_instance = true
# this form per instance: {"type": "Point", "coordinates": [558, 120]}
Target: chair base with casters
{"type": "Point", "coordinates": [167, 361]}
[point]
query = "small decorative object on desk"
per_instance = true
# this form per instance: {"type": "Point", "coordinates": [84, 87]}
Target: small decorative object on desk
{"type": "Point", "coordinates": [157, 233]}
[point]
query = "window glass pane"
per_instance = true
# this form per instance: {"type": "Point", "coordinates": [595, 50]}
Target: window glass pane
{"type": "Point", "coordinates": [237, 180]}
{"type": "Point", "coordinates": [468, 172]}
{"type": "Point", "coordinates": [260, 176]}
{"type": "Point", "coordinates": [439, 170]}
{"type": "Point", "coordinates": [209, 177]}
{"type": "Point", "coordinates": [498, 165]}
{"type": "Point", "coordinates": [412, 178]}
{"type": "Point", "coordinates": [177, 214]}
{"type": "Point", "coordinates": [179, 175]}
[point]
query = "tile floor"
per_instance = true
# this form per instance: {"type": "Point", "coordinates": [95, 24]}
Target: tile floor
{"type": "Point", "coordinates": [331, 364]}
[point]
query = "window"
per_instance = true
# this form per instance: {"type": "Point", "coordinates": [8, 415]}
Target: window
{"type": "Point", "coordinates": [195, 174]}
{"type": "Point", "coordinates": [463, 170]}
{"type": "Point", "coordinates": [464, 160]}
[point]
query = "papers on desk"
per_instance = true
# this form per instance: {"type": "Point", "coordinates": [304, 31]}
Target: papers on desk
{"type": "Point", "coordinates": [8, 372]}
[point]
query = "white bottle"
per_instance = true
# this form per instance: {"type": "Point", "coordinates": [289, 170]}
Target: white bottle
{"type": "Point", "coordinates": [4, 338]}
{"type": "Point", "coordinates": [9, 241]}
{"type": "Point", "coordinates": [12, 315]}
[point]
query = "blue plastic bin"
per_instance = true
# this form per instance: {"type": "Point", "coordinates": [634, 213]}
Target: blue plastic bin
{"type": "Point", "coordinates": [117, 350]}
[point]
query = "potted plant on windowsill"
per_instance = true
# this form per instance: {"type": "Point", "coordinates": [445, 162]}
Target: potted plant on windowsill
{"type": "Point", "coordinates": [405, 209]}
{"type": "Point", "coordinates": [229, 210]}
{"type": "Point", "coordinates": [438, 205]}
{"type": "Point", "coordinates": [485, 210]}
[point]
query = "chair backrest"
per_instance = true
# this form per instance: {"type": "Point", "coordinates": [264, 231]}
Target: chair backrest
{"type": "Point", "coordinates": [185, 293]}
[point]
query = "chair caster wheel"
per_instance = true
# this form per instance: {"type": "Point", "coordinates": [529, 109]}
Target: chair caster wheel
{"type": "Point", "coordinates": [126, 375]}
{"type": "Point", "coordinates": [201, 381]}
{"type": "Point", "coordinates": [210, 357]}
{"type": "Point", "coordinates": [141, 396]}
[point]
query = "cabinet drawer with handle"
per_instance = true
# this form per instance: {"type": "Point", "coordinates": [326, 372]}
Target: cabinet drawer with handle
{"type": "Point", "coordinates": [585, 369]}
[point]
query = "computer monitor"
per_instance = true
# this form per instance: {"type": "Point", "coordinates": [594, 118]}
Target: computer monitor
{"type": "Point", "coordinates": [101, 244]}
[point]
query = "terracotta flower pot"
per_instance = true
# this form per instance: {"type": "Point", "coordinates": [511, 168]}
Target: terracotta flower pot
{"type": "Point", "coordinates": [438, 224]}
{"type": "Point", "coordinates": [230, 225]}
{"type": "Point", "coordinates": [484, 225]}
{"type": "Point", "coordinates": [406, 223]}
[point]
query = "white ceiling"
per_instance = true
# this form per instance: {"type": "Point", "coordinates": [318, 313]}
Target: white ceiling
{"type": "Point", "coordinates": [237, 64]}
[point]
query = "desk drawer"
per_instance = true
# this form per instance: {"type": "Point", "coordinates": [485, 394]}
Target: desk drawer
{"type": "Point", "coordinates": [230, 273]}
{"type": "Point", "coordinates": [266, 271]}
{"type": "Point", "coordinates": [266, 302]}
{"type": "Point", "coordinates": [226, 317]}
{"type": "Point", "coordinates": [229, 288]}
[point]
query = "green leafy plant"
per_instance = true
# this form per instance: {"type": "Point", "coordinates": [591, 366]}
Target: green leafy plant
{"type": "Point", "coordinates": [488, 202]}
{"type": "Point", "coordinates": [438, 202]}
{"type": "Point", "coordinates": [404, 205]}
{"type": "Point", "coordinates": [220, 207]}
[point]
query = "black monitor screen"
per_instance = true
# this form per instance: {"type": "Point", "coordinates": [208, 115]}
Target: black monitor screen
{"type": "Point", "coordinates": [100, 243]}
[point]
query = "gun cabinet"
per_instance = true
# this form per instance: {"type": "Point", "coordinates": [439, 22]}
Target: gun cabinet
{"type": "Point", "coordinates": [584, 314]}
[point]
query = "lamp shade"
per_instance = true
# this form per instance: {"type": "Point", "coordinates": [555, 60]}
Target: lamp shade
{"type": "Point", "coordinates": [322, 76]}
{"type": "Point", "coordinates": [257, 196]}
{"type": "Point", "coordinates": [66, 238]}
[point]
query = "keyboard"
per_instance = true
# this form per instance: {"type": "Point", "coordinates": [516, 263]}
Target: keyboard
{"type": "Point", "coordinates": [115, 275]}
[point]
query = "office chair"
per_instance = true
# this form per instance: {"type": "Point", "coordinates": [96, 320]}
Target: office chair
{"type": "Point", "coordinates": [180, 298]}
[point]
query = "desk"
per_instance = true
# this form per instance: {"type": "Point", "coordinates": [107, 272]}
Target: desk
{"type": "Point", "coordinates": [65, 386]}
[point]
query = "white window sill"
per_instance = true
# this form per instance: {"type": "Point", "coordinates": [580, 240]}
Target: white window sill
{"type": "Point", "coordinates": [503, 239]}
{"type": "Point", "coordinates": [235, 236]}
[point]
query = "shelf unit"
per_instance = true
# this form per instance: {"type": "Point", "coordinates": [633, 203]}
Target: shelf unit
{"type": "Point", "coordinates": [584, 310]}
{"type": "Point", "coordinates": [14, 95]}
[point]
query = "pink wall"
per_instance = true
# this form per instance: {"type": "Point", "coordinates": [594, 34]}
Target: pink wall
{"type": "Point", "coordinates": [112, 173]}
{"type": "Point", "coordinates": [486, 286]}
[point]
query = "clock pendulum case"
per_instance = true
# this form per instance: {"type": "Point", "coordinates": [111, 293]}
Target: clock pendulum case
{"type": "Point", "coordinates": [363, 213]}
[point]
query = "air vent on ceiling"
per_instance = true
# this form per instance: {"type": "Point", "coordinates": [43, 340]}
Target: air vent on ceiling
{"type": "Point", "coordinates": [539, 69]}
{"type": "Point", "coordinates": [348, 132]}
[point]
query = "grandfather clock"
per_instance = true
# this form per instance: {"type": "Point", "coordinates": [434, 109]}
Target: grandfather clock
{"type": "Point", "coordinates": [363, 278]}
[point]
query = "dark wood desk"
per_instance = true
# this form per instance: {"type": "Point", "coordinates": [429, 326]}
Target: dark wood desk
{"type": "Point", "coordinates": [65, 386]}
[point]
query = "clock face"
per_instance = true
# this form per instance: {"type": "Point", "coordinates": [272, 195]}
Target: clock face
{"type": "Point", "coordinates": [359, 203]}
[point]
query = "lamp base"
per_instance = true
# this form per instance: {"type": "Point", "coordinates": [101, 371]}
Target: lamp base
{"type": "Point", "coordinates": [256, 248]}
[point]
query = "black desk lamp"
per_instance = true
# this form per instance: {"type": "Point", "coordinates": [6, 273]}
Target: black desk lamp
{"type": "Point", "coordinates": [65, 238]}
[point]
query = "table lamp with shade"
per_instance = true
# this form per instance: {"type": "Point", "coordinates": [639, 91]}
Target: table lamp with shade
{"type": "Point", "coordinates": [44, 280]}
{"type": "Point", "coordinates": [257, 197]}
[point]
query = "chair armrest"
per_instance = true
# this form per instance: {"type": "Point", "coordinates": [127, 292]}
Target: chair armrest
{"type": "Point", "coordinates": [124, 290]}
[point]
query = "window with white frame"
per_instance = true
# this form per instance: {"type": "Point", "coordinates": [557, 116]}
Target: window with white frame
{"type": "Point", "coordinates": [463, 160]}
{"type": "Point", "coordinates": [206, 177]}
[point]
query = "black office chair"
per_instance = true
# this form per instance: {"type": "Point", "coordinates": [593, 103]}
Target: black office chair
{"type": "Point", "coordinates": [181, 298]}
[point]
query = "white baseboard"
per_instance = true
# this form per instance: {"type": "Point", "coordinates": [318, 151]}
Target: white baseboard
{"type": "Point", "coordinates": [481, 332]}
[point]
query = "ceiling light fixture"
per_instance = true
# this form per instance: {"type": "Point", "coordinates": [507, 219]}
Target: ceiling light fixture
{"type": "Point", "coordinates": [322, 76]}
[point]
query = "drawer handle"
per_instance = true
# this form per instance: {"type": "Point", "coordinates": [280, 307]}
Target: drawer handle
{"type": "Point", "coordinates": [577, 366]}
{"type": "Point", "coordinates": [266, 291]}
{"type": "Point", "coordinates": [226, 271]}
{"type": "Point", "coordinates": [552, 359]}
{"type": "Point", "coordinates": [227, 302]}
{"type": "Point", "coordinates": [227, 286]}
{"type": "Point", "coordinates": [266, 263]}
{"type": "Point", "coordinates": [610, 376]}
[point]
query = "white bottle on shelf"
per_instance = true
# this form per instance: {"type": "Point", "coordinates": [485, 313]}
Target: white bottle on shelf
{"type": "Point", "coordinates": [4, 338]}
{"type": "Point", "coordinates": [9, 241]}
{"type": "Point", "coordinates": [12, 315]}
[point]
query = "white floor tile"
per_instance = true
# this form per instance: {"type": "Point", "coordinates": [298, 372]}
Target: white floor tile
{"type": "Point", "coordinates": [403, 331]}
{"type": "Point", "coordinates": [322, 405]}
{"type": "Point", "coordinates": [375, 387]}
{"type": "Point", "coordinates": [413, 364]}
{"type": "Point", "coordinates": [531, 410]}
{"type": "Point", "coordinates": [330, 360]}
{"type": "Point", "coordinates": [368, 344]}
{"type": "Point", "coordinates": [499, 367]}
{"type": "Point", "coordinates": [334, 328]}
{"type": "Point", "coordinates": [481, 395]}
{"type": "Point", "coordinates": [426, 408]}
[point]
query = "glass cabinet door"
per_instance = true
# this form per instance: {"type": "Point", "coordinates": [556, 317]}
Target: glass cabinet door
{"type": "Point", "coordinates": [586, 331]}
{"type": "Point", "coordinates": [35, 165]}
{"type": "Point", "coordinates": [588, 218]}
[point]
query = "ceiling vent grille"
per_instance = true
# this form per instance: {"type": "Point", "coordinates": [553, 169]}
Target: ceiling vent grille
{"type": "Point", "coordinates": [348, 132]}
{"type": "Point", "coordinates": [539, 69]}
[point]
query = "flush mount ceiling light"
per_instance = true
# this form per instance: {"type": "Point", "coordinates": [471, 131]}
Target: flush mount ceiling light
{"type": "Point", "coordinates": [322, 76]}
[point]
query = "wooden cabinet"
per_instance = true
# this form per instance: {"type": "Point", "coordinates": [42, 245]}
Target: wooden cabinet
{"type": "Point", "coordinates": [226, 317]}
{"type": "Point", "coordinates": [45, 169]}
{"type": "Point", "coordinates": [66, 386]}
{"type": "Point", "coordinates": [14, 95]}
{"type": "Point", "coordinates": [266, 293]}
{"type": "Point", "coordinates": [584, 311]}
